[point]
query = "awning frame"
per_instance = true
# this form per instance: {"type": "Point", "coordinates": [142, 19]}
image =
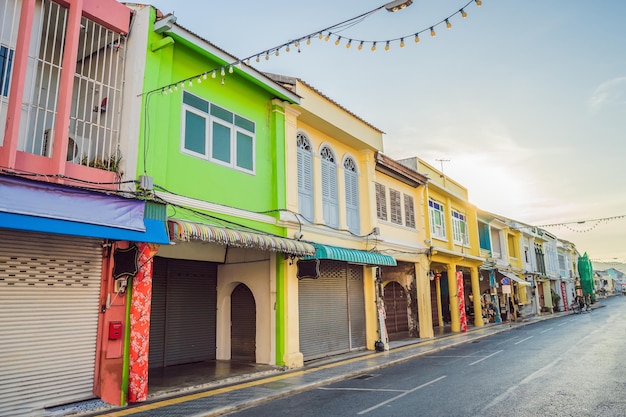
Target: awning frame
{"type": "Point", "coordinates": [353, 256]}
{"type": "Point", "coordinates": [187, 231]}
{"type": "Point", "coordinates": [515, 278]}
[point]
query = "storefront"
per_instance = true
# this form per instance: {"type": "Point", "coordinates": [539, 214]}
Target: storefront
{"type": "Point", "coordinates": [332, 313]}
{"type": "Point", "coordinates": [56, 251]}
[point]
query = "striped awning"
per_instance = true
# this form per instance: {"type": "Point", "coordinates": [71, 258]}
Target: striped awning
{"type": "Point", "coordinates": [186, 231]}
{"type": "Point", "coordinates": [354, 256]}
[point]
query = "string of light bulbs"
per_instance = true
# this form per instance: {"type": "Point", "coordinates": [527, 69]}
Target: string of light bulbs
{"type": "Point", "coordinates": [595, 221]}
{"type": "Point", "coordinates": [324, 34]}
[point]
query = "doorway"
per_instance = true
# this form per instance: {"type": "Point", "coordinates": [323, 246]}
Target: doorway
{"type": "Point", "coordinates": [243, 325]}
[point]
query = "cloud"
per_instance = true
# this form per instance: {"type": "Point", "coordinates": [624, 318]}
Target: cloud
{"type": "Point", "coordinates": [609, 92]}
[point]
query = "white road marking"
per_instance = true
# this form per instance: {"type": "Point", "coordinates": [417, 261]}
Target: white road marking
{"type": "Point", "coordinates": [361, 389]}
{"type": "Point", "coordinates": [401, 395]}
{"type": "Point", "coordinates": [546, 330]}
{"type": "Point", "coordinates": [486, 357]}
{"type": "Point", "coordinates": [523, 340]}
{"type": "Point", "coordinates": [563, 324]}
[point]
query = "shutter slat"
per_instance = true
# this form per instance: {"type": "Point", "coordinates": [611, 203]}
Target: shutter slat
{"type": "Point", "coordinates": [49, 306]}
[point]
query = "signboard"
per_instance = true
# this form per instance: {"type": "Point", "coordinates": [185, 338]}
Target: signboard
{"type": "Point", "coordinates": [506, 289]}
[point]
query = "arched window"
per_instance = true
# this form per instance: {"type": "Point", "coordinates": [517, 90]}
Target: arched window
{"type": "Point", "coordinates": [305, 177]}
{"type": "Point", "coordinates": [352, 195]}
{"type": "Point", "coordinates": [329, 187]}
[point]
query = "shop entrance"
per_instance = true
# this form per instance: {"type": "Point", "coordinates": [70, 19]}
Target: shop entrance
{"type": "Point", "coordinates": [396, 304]}
{"type": "Point", "coordinates": [243, 325]}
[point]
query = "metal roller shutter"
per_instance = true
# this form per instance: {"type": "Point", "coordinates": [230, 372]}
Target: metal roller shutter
{"type": "Point", "coordinates": [323, 312]}
{"type": "Point", "coordinates": [357, 306]}
{"type": "Point", "coordinates": [185, 310]}
{"type": "Point", "coordinates": [49, 305]}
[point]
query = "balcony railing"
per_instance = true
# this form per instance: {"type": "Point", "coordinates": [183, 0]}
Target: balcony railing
{"type": "Point", "coordinates": [96, 92]}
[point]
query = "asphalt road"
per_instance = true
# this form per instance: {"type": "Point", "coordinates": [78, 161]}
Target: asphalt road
{"type": "Point", "coordinates": [573, 365]}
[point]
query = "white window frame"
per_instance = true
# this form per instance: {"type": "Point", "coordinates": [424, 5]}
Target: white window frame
{"type": "Point", "coordinates": [460, 234]}
{"type": "Point", "coordinates": [437, 230]}
{"type": "Point", "coordinates": [208, 144]}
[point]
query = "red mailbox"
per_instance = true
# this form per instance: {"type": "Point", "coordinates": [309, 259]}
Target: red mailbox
{"type": "Point", "coordinates": [115, 330]}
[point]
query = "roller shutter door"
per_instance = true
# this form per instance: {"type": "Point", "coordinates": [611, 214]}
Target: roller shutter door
{"type": "Point", "coordinates": [49, 306]}
{"type": "Point", "coordinates": [185, 317]}
{"type": "Point", "coordinates": [331, 311]}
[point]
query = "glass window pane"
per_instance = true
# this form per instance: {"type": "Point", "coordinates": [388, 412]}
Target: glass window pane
{"type": "Point", "coordinates": [195, 102]}
{"type": "Point", "coordinates": [244, 151]}
{"type": "Point", "coordinates": [195, 132]}
{"type": "Point", "coordinates": [221, 113]}
{"type": "Point", "coordinates": [244, 123]}
{"type": "Point", "coordinates": [221, 143]}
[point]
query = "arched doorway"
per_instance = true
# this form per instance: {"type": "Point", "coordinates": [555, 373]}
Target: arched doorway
{"type": "Point", "coordinates": [396, 304]}
{"type": "Point", "coordinates": [243, 325]}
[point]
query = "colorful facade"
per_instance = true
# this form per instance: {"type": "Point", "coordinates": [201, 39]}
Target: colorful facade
{"type": "Point", "coordinates": [67, 226]}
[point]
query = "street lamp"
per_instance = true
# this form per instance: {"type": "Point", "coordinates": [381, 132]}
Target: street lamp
{"type": "Point", "coordinates": [394, 6]}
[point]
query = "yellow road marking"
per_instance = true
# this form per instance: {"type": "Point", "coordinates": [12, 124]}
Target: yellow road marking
{"type": "Point", "coordinates": [206, 394]}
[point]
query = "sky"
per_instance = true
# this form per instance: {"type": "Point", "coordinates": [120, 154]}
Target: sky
{"type": "Point", "coordinates": [522, 102]}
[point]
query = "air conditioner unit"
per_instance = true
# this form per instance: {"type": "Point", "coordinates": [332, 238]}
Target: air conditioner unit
{"type": "Point", "coordinates": [72, 147]}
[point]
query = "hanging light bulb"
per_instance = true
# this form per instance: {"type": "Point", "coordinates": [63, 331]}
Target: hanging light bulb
{"type": "Point", "coordinates": [327, 37]}
{"type": "Point", "coordinates": [338, 41]}
{"type": "Point", "coordinates": [287, 48]}
{"type": "Point", "coordinates": [320, 36]}
{"type": "Point", "coordinates": [401, 42]}
{"type": "Point", "coordinates": [175, 87]}
{"type": "Point", "coordinates": [204, 76]}
{"type": "Point", "coordinates": [463, 14]}
{"type": "Point", "coordinates": [230, 69]}
{"type": "Point", "coordinates": [360, 46]}
{"type": "Point", "coordinates": [267, 56]}
{"type": "Point", "coordinates": [478, 2]}
{"type": "Point", "coordinates": [190, 83]}
{"type": "Point", "coordinates": [199, 80]}
{"type": "Point", "coordinates": [238, 64]}
{"type": "Point", "coordinates": [213, 74]}
{"type": "Point", "coordinates": [448, 24]}
{"type": "Point", "coordinates": [373, 46]}
{"type": "Point", "coordinates": [182, 85]}
{"type": "Point", "coordinates": [432, 32]}
{"type": "Point", "coordinates": [417, 38]}
{"type": "Point", "coordinates": [387, 46]}
{"type": "Point", "coordinates": [308, 40]}
{"type": "Point", "coordinates": [247, 61]}
{"type": "Point", "coordinates": [164, 92]}
{"type": "Point", "coordinates": [222, 72]}
{"type": "Point", "coordinates": [277, 52]}
{"type": "Point", "coordinates": [349, 44]}
{"type": "Point", "coordinates": [296, 44]}
{"type": "Point", "coordinates": [171, 91]}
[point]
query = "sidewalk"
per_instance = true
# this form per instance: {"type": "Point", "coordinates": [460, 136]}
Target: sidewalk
{"type": "Point", "coordinates": [253, 389]}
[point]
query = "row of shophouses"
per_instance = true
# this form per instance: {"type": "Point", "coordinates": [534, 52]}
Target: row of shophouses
{"type": "Point", "coordinates": [162, 203]}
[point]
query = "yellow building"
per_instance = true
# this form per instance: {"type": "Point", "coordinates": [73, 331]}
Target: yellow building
{"type": "Point", "coordinates": [404, 290]}
{"type": "Point", "coordinates": [327, 304]}
{"type": "Point", "coordinates": [454, 253]}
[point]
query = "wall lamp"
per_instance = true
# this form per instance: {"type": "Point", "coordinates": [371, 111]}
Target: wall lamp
{"type": "Point", "coordinates": [394, 6]}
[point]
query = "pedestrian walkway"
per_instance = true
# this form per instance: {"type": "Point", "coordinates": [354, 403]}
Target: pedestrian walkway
{"type": "Point", "coordinates": [219, 400]}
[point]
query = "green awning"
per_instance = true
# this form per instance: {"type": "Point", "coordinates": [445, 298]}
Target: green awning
{"type": "Point", "coordinates": [353, 256]}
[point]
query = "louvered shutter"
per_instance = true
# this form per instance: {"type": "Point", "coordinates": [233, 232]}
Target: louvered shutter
{"type": "Point", "coordinates": [352, 202]}
{"type": "Point", "coordinates": [305, 184]}
{"type": "Point", "coordinates": [329, 193]}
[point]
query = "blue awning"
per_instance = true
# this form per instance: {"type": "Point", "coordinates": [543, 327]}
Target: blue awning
{"type": "Point", "coordinates": [156, 231]}
{"type": "Point", "coordinates": [354, 256]}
